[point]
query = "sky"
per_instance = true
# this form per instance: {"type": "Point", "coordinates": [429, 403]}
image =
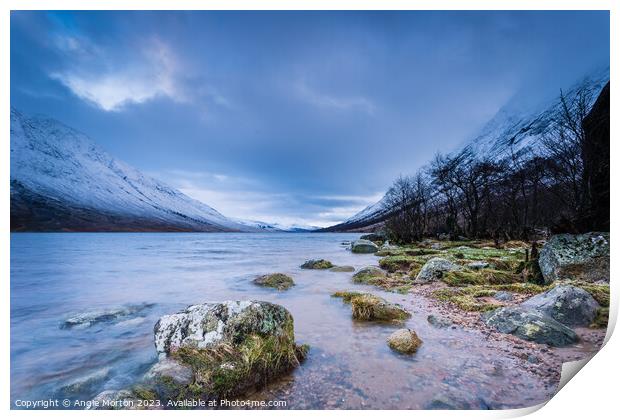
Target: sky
{"type": "Point", "coordinates": [291, 117]}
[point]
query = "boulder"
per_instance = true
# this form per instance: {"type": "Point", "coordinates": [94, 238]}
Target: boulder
{"type": "Point", "coordinates": [566, 304]}
{"type": "Point", "coordinates": [342, 269]}
{"type": "Point", "coordinates": [531, 325]}
{"type": "Point", "coordinates": [276, 280]}
{"type": "Point", "coordinates": [369, 307]}
{"type": "Point", "coordinates": [230, 348]}
{"type": "Point", "coordinates": [404, 341]}
{"type": "Point", "coordinates": [434, 269]}
{"type": "Point", "coordinates": [317, 264]}
{"type": "Point", "coordinates": [576, 257]}
{"type": "Point", "coordinates": [362, 246]}
{"type": "Point", "coordinates": [366, 274]}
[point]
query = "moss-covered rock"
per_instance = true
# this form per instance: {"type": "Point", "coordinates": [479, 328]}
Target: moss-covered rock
{"type": "Point", "coordinates": [576, 257]}
{"type": "Point", "coordinates": [276, 280]}
{"type": "Point", "coordinates": [362, 246]}
{"type": "Point", "coordinates": [435, 269]}
{"type": "Point", "coordinates": [346, 295]}
{"type": "Point", "coordinates": [230, 348]}
{"type": "Point", "coordinates": [317, 264]}
{"type": "Point", "coordinates": [404, 341]}
{"type": "Point", "coordinates": [368, 307]}
{"type": "Point", "coordinates": [343, 269]}
{"type": "Point", "coordinates": [368, 274]}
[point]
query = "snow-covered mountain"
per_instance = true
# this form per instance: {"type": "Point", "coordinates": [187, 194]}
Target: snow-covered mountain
{"type": "Point", "coordinates": [517, 126]}
{"type": "Point", "coordinates": [62, 180]}
{"type": "Point", "coordinates": [276, 227]}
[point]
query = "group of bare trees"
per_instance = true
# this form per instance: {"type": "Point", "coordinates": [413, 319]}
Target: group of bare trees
{"type": "Point", "coordinates": [526, 192]}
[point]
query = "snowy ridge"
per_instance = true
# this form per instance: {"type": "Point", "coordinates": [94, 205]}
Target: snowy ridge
{"type": "Point", "coordinates": [62, 170]}
{"type": "Point", "coordinates": [516, 127]}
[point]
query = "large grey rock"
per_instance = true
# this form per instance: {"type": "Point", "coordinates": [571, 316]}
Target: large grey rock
{"type": "Point", "coordinates": [576, 257]}
{"type": "Point", "coordinates": [434, 270]}
{"type": "Point", "coordinates": [219, 350]}
{"type": "Point", "coordinates": [531, 325]}
{"type": "Point", "coordinates": [208, 324]}
{"type": "Point", "coordinates": [566, 304]}
{"type": "Point", "coordinates": [363, 246]}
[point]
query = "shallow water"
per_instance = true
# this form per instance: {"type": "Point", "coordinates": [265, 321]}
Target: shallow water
{"type": "Point", "coordinates": [55, 276]}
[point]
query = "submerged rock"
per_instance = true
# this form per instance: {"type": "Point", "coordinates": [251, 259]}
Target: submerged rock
{"type": "Point", "coordinates": [531, 325]}
{"type": "Point", "coordinates": [367, 274]}
{"type": "Point", "coordinates": [439, 321]}
{"type": "Point", "coordinates": [434, 269]}
{"type": "Point", "coordinates": [317, 264]}
{"type": "Point", "coordinates": [276, 280]}
{"type": "Point", "coordinates": [343, 269]}
{"type": "Point", "coordinates": [369, 307]}
{"type": "Point", "coordinates": [404, 341]}
{"type": "Point", "coordinates": [566, 304]}
{"type": "Point", "coordinates": [576, 257]}
{"type": "Point", "coordinates": [230, 347]}
{"type": "Point", "coordinates": [363, 246]}
{"type": "Point", "coordinates": [87, 319]}
{"type": "Point", "coordinates": [86, 383]}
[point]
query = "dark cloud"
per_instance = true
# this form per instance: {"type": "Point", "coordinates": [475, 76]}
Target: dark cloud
{"type": "Point", "coordinates": [291, 116]}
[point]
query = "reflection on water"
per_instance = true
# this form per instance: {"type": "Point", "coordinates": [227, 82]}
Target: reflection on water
{"type": "Point", "coordinates": [56, 276]}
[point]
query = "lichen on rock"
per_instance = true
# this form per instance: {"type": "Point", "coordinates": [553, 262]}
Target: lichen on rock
{"type": "Point", "coordinates": [576, 257]}
{"type": "Point", "coordinates": [229, 347]}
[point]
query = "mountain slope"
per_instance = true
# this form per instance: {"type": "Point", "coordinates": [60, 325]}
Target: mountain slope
{"type": "Point", "coordinates": [61, 180]}
{"type": "Point", "coordinates": [516, 127]}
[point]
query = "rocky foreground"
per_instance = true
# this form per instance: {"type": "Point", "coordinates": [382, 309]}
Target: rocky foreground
{"type": "Point", "coordinates": [541, 302]}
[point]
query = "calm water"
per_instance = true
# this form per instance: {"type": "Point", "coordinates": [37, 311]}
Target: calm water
{"type": "Point", "coordinates": [56, 276]}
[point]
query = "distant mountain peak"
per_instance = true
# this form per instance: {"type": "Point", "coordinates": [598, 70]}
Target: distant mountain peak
{"type": "Point", "coordinates": [62, 180]}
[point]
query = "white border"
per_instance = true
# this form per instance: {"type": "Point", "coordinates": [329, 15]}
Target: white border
{"type": "Point", "coordinates": [592, 395]}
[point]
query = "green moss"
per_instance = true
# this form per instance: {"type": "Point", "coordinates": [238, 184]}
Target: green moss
{"type": "Point", "coordinates": [224, 370]}
{"type": "Point", "coordinates": [368, 307]}
{"type": "Point", "coordinates": [276, 280]}
{"type": "Point", "coordinates": [602, 318]}
{"type": "Point", "coordinates": [466, 298]}
{"type": "Point", "coordinates": [401, 263]}
{"type": "Point", "coordinates": [346, 295]}
{"type": "Point", "coordinates": [143, 393]}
